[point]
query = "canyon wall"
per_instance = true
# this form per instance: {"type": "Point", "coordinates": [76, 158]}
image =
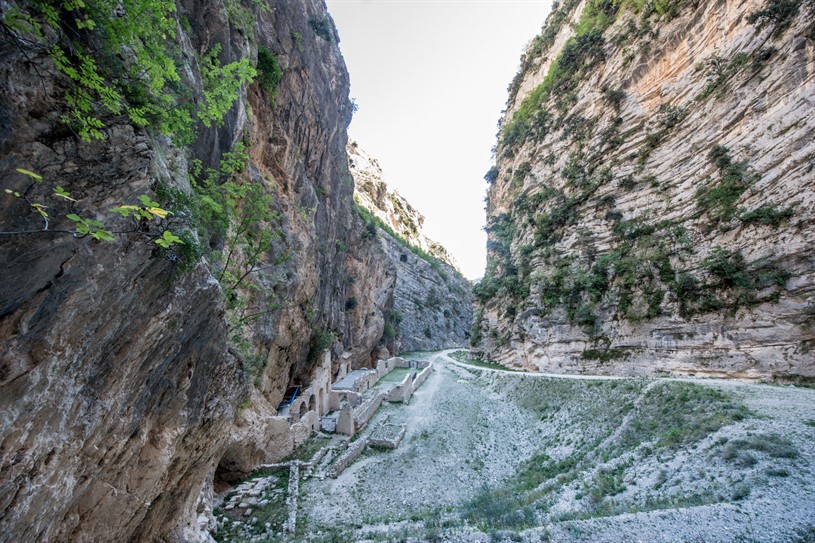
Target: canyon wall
{"type": "Point", "coordinates": [124, 362]}
{"type": "Point", "coordinates": [432, 301]}
{"type": "Point", "coordinates": [651, 206]}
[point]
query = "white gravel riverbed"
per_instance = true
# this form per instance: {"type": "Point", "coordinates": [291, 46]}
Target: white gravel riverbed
{"type": "Point", "coordinates": [471, 431]}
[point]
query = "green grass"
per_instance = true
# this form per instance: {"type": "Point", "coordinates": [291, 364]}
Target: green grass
{"type": "Point", "coordinates": [773, 445]}
{"type": "Point", "coordinates": [395, 376]}
{"type": "Point", "coordinates": [465, 358]}
{"type": "Point", "coordinates": [307, 449]}
{"type": "Point", "coordinates": [670, 416]}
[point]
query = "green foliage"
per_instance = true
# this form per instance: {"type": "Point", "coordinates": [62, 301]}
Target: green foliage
{"type": "Point", "coordinates": [774, 445]}
{"type": "Point", "coordinates": [321, 339]}
{"type": "Point", "coordinates": [585, 315]}
{"type": "Point", "coordinates": [734, 282]}
{"type": "Point", "coordinates": [778, 14]}
{"type": "Point", "coordinates": [323, 28]}
{"type": "Point", "coordinates": [679, 413]}
{"type": "Point", "coordinates": [597, 15]}
{"type": "Point", "coordinates": [222, 84]}
{"type": "Point", "coordinates": [607, 482]}
{"type": "Point", "coordinates": [120, 58]}
{"type": "Point", "coordinates": [90, 227]}
{"type": "Point", "coordinates": [83, 226]}
{"type": "Point", "coordinates": [719, 71]}
{"type": "Point", "coordinates": [604, 355]}
{"type": "Point", "coordinates": [579, 55]}
{"type": "Point", "coordinates": [475, 328]}
{"type": "Point", "coordinates": [297, 38]}
{"type": "Point", "coordinates": [543, 41]}
{"type": "Point", "coordinates": [766, 215]}
{"type": "Point", "coordinates": [270, 72]}
{"type": "Point", "coordinates": [614, 97]}
{"type": "Point", "coordinates": [486, 288]}
{"type": "Point", "coordinates": [493, 508]}
{"type": "Point", "coordinates": [719, 200]}
{"type": "Point", "coordinates": [239, 210]}
{"type": "Point", "coordinates": [728, 268]}
{"type": "Point", "coordinates": [492, 175]}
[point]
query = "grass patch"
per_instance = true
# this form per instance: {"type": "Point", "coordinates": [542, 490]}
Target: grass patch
{"type": "Point", "coordinates": [738, 452]}
{"type": "Point", "coordinates": [273, 512]}
{"type": "Point", "coordinates": [674, 414]}
{"type": "Point", "coordinates": [307, 449]}
{"type": "Point", "coordinates": [465, 358]}
{"type": "Point", "coordinates": [671, 415]}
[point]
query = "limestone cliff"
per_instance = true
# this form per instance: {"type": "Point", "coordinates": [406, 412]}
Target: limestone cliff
{"type": "Point", "coordinates": [431, 301]}
{"type": "Point", "coordinates": [371, 192]}
{"type": "Point", "coordinates": [651, 206]}
{"type": "Point", "coordinates": [123, 362]}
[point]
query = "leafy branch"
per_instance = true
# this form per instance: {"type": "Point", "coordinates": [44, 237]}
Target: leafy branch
{"type": "Point", "coordinates": [82, 227]}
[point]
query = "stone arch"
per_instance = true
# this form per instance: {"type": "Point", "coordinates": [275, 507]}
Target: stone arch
{"type": "Point", "coordinates": [297, 410]}
{"type": "Point", "coordinates": [312, 403]}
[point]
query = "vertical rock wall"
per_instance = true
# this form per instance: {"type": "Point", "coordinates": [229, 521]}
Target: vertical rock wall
{"type": "Point", "coordinates": [651, 206]}
{"type": "Point", "coordinates": [119, 373]}
{"type": "Point", "coordinates": [431, 304]}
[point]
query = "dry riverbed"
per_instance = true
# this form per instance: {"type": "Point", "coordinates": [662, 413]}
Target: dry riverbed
{"type": "Point", "coordinates": [499, 456]}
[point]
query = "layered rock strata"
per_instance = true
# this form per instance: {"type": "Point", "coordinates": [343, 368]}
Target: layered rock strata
{"type": "Point", "coordinates": [651, 206]}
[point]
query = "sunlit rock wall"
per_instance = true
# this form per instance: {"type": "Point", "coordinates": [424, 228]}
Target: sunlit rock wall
{"type": "Point", "coordinates": [652, 204]}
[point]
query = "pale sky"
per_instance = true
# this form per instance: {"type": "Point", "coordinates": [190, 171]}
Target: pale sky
{"type": "Point", "coordinates": [430, 79]}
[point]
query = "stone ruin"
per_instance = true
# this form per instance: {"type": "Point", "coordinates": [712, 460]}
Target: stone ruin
{"type": "Point", "coordinates": [344, 408]}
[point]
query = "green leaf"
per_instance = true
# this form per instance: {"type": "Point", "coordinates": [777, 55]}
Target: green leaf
{"type": "Point", "coordinates": [29, 173]}
{"type": "Point", "coordinates": [74, 217]}
{"type": "Point", "coordinates": [147, 202]}
{"type": "Point", "coordinates": [103, 235]}
{"type": "Point", "coordinates": [168, 239]}
{"type": "Point", "coordinates": [62, 193]}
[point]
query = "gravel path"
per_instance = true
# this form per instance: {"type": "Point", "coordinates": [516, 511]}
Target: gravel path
{"type": "Point", "coordinates": [470, 430]}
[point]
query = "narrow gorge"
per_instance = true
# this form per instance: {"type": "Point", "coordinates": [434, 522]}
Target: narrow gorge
{"type": "Point", "coordinates": [220, 323]}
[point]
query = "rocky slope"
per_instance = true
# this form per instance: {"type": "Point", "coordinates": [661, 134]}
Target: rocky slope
{"type": "Point", "coordinates": [651, 205]}
{"type": "Point", "coordinates": [371, 192]}
{"type": "Point", "coordinates": [123, 362]}
{"type": "Point", "coordinates": [432, 301]}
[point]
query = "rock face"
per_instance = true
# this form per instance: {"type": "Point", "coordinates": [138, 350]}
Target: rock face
{"type": "Point", "coordinates": [123, 363]}
{"type": "Point", "coordinates": [371, 192]}
{"type": "Point", "coordinates": [652, 203]}
{"type": "Point", "coordinates": [431, 301]}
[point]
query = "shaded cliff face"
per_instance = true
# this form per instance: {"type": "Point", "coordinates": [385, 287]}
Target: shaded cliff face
{"type": "Point", "coordinates": [651, 205]}
{"type": "Point", "coordinates": [430, 301]}
{"type": "Point", "coordinates": [122, 362]}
